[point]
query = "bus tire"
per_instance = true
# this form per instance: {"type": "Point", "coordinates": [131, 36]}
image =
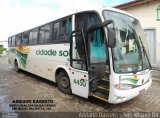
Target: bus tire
{"type": "Point", "coordinates": [16, 66]}
{"type": "Point", "coordinates": [64, 83]}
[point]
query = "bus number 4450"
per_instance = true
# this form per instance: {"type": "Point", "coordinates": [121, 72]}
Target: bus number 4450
{"type": "Point", "coordinates": [80, 82]}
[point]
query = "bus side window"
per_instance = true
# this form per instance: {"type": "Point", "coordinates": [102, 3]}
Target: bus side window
{"type": "Point", "coordinates": [9, 41]}
{"type": "Point", "coordinates": [25, 37]}
{"type": "Point", "coordinates": [41, 34]}
{"type": "Point", "coordinates": [18, 39]}
{"type": "Point", "coordinates": [13, 41]}
{"type": "Point", "coordinates": [69, 27]}
{"type": "Point", "coordinates": [30, 37]}
{"type": "Point", "coordinates": [44, 34]}
{"type": "Point", "coordinates": [62, 30]}
{"type": "Point", "coordinates": [56, 30]}
{"type": "Point", "coordinates": [33, 36]}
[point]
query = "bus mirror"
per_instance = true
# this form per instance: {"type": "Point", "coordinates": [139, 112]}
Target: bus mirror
{"type": "Point", "coordinates": [111, 38]}
{"type": "Point", "coordinates": [107, 22]}
{"type": "Point", "coordinates": [111, 33]}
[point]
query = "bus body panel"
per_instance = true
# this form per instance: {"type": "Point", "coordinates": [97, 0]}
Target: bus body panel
{"type": "Point", "coordinates": [41, 60]}
{"type": "Point", "coordinates": [44, 60]}
{"type": "Point", "coordinates": [118, 96]}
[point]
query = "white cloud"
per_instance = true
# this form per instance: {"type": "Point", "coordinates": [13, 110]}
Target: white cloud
{"type": "Point", "coordinates": [15, 19]}
{"type": "Point", "coordinates": [19, 15]}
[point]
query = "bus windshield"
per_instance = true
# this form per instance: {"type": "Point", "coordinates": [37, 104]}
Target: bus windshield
{"type": "Point", "coordinates": [131, 52]}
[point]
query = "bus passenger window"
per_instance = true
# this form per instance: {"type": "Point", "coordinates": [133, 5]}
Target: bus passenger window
{"type": "Point", "coordinates": [33, 39]}
{"type": "Point", "coordinates": [47, 33]}
{"type": "Point", "coordinates": [41, 34]}
{"type": "Point", "coordinates": [13, 41]}
{"type": "Point", "coordinates": [9, 41]}
{"type": "Point", "coordinates": [25, 37]}
{"type": "Point", "coordinates": [62, 30]}
{"type": "Point", "coordinates": [44, 34]}
{"type": "Point", "coordinates": [68, 27]}
{"type": "Point", "coordinates": [18, 39]}
{"type": "Point", "coordinates": [56, 31]}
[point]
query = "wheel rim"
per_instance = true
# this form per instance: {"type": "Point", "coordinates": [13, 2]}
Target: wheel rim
{"type": "Point", "coordinates": [64, 82]}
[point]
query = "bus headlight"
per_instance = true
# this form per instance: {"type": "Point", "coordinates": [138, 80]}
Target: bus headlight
{"type": "Point", "coordinates": [123, 86]}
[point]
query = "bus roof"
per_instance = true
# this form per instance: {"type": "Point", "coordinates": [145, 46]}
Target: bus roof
{"type": "Point", "coordinates": [100, 9]}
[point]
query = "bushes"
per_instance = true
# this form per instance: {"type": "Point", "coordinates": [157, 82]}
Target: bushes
{"type": "Point", "coordinates": [2, 49]}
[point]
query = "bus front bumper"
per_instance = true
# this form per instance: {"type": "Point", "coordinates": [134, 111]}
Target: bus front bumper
{"type": "Point", "coordinates": [118, 96]}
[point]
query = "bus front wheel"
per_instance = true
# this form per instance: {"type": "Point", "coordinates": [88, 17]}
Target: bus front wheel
{"type": "Point", "coordinates": [64, 83]}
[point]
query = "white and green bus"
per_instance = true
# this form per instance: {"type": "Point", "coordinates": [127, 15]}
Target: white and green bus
{"type": "Point", "coordinates": [98, 52]}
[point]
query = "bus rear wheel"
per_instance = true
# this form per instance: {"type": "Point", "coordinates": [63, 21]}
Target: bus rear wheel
{"type": "Point", "coordinates": [16, 66]}
{"type": "Point", "coordinates": [64, 83]}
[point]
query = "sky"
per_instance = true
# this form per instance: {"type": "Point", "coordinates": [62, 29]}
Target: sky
{"type": "Point", "coordinates": [20, 15]}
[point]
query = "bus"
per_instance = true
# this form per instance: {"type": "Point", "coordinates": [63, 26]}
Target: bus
{"type": "Point", "coordinates": [101, 53]}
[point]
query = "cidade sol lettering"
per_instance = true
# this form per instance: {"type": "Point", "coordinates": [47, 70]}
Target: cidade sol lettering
{"type": "Point", "coordinates": [46, 52]}
{"type": "Point", "coordinates": [64, 53]}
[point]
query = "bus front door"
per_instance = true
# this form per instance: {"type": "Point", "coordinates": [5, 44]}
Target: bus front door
{"type": "Point", "coordinates": [78, 62]}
